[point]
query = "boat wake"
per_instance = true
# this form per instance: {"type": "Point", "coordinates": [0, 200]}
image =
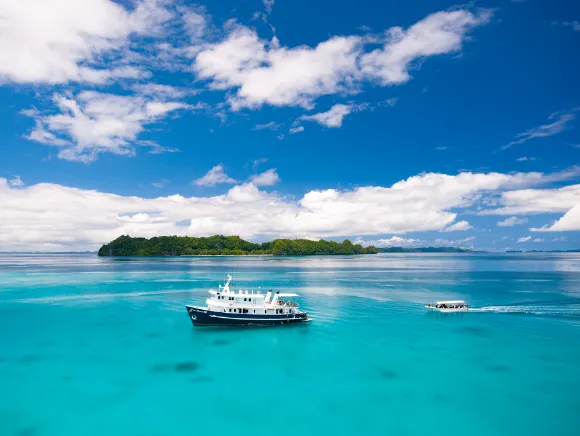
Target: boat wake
{"type": "Point", "coordinates": [568, 310]}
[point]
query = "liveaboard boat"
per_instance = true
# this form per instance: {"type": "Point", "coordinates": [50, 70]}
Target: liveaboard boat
{"type": "Point", "coordinates": [226, 307]}
{"type": "Point", "coordinates": [449, 306]}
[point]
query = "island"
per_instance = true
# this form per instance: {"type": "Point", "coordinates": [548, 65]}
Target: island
{"type": "Point", "coordinates": [227, 245]}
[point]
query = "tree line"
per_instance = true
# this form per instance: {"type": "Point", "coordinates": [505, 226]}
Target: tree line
{"type": "Point", "coordinates": [227, 245]}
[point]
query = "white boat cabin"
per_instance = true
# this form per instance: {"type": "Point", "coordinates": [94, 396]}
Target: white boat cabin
{"type": "Point", "coordinates": [449, 306]}
{"type": "Point", "coordinates": [244, 301]}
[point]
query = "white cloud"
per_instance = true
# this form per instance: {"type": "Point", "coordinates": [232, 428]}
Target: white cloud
{"type": "Point", "coordinates": [16, 181]}
{"type": "Point", "coordinates": [525, 159]}
{"type": "Point", "coordinates": [560, 239]}
{"type": "Point", "coordinates": [269, 126]}
{"type": "Point", "coordinates": [264, 72]}
{"type": "Point", "coordinates": [511, 221]}
{"type": "Point", "coordinates": [160, 91]}
{"type": "Point", "coordinates": [268, 5]}
{"type": "Point", "coordinates": [553, 128]}
{"type": "Point", "coordinates": [160, 183]}
{"type": "Point", "coordinates": [455, 243]}
{"type": "Point", "coordinates": [45, 213]}
{"type": "Point", "coordinates": [535, 201]}
{"type": "Point", "coordinates": [441, 148]}
{"type": "Point", "coordinates": [458, 226]}
{"type": "Point", "coordinates": [525, 239]}
{"type": "Point", "coordinates": [574, 25]}
{"type": "Point", "coordinates": [538, 240]}
{"type": "Point", "coordinates": [439, 33]}
{"type": "Point", "coordinates": [213, 177]}
{"type": "Point", "coordinates": [267, 178]}
{"type": "Point", "coordinates": [296, 129]}
{"type": "Point", "coordinates": [59, 41]}
{"type": "Point", "coordinates": [91, 123]}
{"type": "Point", "coordinates": [569, 222]}
{"type": "Point", "coordinates": [331, 118]}
{"type": "Point", "coordinates": [395, 241]}
{"type": "Point", "coordinates": [258, 162]}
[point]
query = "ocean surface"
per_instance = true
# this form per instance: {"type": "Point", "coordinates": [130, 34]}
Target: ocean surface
{"type": "Point", "coordinates": [104, 346]}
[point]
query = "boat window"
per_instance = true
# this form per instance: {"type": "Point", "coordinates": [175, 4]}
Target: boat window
{"type": "Point", "coordinates": [245, 299]}
{"type": "Point", "coordinates": [230, 310]}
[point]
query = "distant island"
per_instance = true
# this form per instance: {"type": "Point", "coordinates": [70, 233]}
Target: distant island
{"type": "Point", "coordinates": [227, 245]}
{"type": "Point", "coordinates": [425, 250]}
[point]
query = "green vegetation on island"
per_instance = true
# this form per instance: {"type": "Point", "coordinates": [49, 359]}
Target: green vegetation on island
{"type": "Point", "coordinates": [226, 245]}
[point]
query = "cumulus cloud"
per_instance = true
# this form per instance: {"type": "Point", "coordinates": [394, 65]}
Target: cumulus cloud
{"type": "Point", "coordinates": [456, 242]}
{"type": "Point", "coordinates": [267, 178]}
{"type": "Point", "coordinates": [536, 201]}
{"type": "Point", "coordinates": [541, 201]}
{"type": "Point", "coordinates": [458, 226]}
{"type": "Point", "coordinates": [332, 117]}
{"type": "Point", "coordinates": [83, 219]}
{"type": "Point", "coordinates": [553, 128]}
{"type": "Point", "coordinates": [265, 72]}
{"type": "Point", "coordinates": [570, 221]}
{"type": "Point", "coordinates": [90, 123]}
{"type": "Point", "coordinates": [296, 129]}
{"type": "Point", "coordinates": [215, 176]}
{"type": "Point", "coordinates": [439, 33]}
{"type": "Point", "coordinates": [394, 241]}
{"type": "Point", "coordinates": [68, 40]}
{"type": "Point", "coordinates": [511, 221]}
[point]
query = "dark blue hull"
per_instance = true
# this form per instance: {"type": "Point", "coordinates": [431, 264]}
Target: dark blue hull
{"type": "Point", "coordinates": [203, 317]}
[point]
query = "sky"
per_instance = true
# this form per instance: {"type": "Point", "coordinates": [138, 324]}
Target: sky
{"type": "Point", "coordinates": [422, 123]}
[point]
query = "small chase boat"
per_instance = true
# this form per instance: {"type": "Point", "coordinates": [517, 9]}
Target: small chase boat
{"type": "Point", "coordinates": [229, 308]}
{"type": "Point", "coordinates": [449, 306]}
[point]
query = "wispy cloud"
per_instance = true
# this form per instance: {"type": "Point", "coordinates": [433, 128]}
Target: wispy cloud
{"type": "Point", "coordinates": [511, 221]}
{"type": "Point", "coordinates": [526, 159]}
{"type": "Point", "coordinates": [545, 130]}
{"type": "Point", "coordinates": [268, 5]}
{"type": "Point", "coordinates": [296, 129]}
{"type": "Point", "coordinates": [160, 183]}
{"type": "Point", "coordinates": [213, 177]}
{"type": "Point", "coordinates": [258, 162]}
{"type": "Point", "coordinates": [574, 25]}
{"type": "Point", "coordinates": [268, 126]}
{"type": "Point", "coordinates": [458, 227]}
{"type": "Point", "coordinates": [91, 123]}
{"type": "Point", "coordinates": [524, 239]}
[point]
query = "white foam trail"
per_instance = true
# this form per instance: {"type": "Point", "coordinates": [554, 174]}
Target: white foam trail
{"type": "Point", "coordinates": [531, 310]}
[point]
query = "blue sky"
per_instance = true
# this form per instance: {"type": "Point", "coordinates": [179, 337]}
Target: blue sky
{"type": "Point", "coordinates": [423, 123]}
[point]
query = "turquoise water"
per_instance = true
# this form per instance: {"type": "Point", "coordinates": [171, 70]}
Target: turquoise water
{"type": "Point", "coordinates": [92, 346]}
